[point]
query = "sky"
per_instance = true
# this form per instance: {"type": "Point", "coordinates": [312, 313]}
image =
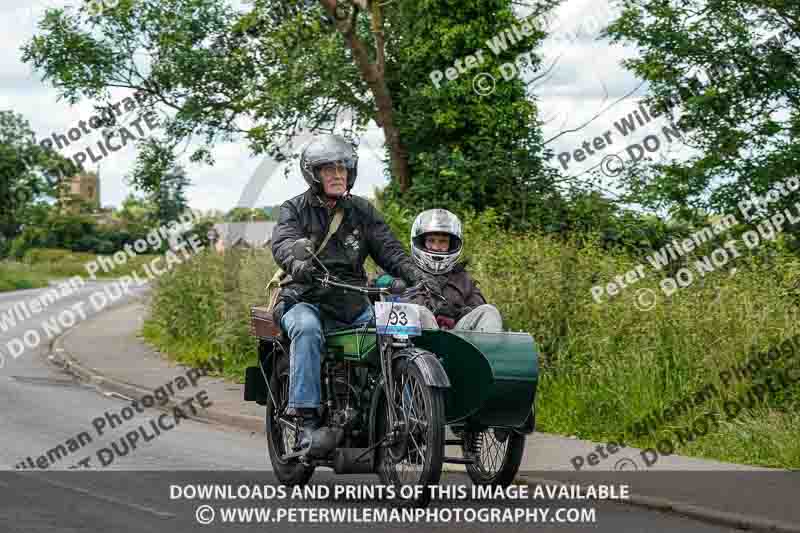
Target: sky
{"type": "Point", "coordinates": [586, 79]}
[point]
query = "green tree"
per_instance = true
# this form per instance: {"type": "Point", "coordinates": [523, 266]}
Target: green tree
{"type": "Point", "coordinates": [738, 91]}
{"type": "Point", "coordinates": [28, 174]}
{"type": "Point", "coordinates": [245, 214]}
{"type": "Point", "coordinates": [284, 66]}
{"type": "Point", "coordinates": [136, 211]}
{"type": "Point", "coordinates": [468, 150]}
{"type": "Point", "coordinates": [170, 195]}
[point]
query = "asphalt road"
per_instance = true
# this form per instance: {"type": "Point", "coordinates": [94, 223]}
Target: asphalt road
{"type": "Point", "coordinates": [43, 407]}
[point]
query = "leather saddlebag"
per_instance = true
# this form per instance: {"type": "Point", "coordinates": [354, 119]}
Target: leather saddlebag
{"type": "Point", "coordinates": [262, 325]}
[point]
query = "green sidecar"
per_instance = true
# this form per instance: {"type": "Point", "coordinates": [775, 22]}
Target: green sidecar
{"type": "Point", "coordinates": [493, 376]}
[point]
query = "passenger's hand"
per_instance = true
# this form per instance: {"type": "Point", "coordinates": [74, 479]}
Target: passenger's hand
{"type": "Point", "coordinates": [445, 322]}
{"type": "Point", "coordinates": [431, 284]}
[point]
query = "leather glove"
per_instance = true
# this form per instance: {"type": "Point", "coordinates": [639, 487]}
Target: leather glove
{"type": "Point", "coordinates": [304, 271]}
{"type": "Point", "coordinates": [445, 322]}
{"type": "Point", "coordinates": [430, 283]}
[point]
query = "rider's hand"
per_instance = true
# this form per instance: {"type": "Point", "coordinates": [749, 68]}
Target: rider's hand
{"type": "Point", "coordinates": [445, 322]}
{"type": "Point", "coordinates": [304, 271]}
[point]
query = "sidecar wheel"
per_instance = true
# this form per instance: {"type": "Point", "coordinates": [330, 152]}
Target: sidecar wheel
{"type": "Point", "coordinates": [417, 454]}
{"type": "Point", "coordinates": [498, 457]}
{"type": "Point", "coordinates": [279, 439]}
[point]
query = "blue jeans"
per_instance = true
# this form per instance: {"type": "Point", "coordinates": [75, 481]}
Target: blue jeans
{"type": "Point", "coordinates": [304, 327]}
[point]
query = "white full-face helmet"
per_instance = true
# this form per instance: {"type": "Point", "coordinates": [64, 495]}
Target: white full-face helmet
{"type": "Point", "coordinates": [436, 221]}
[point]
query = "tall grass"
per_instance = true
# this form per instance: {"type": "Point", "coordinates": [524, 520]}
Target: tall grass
{"type": "Point", "coordinates": [603, 365]}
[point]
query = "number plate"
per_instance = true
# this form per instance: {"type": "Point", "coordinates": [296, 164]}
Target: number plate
{"type": "Point", "coordinates": [392, 318]}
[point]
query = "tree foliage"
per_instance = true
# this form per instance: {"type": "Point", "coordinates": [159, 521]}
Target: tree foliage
{"type": "Point", "coordinates": [735, 66]}
{"type": "Point", "coordinates": [268, 71]}
{"type": "Point", "coordinates": [28, 174]}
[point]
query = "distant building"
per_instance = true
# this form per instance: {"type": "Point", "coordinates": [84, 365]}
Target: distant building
{"type": "Point", "coordinates": [81, 188]}
{"type": "Point", "coordinates": [251, 235]}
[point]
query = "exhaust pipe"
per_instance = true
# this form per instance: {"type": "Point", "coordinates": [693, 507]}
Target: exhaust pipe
{"type": "Point", "coordinates": [347, 461]}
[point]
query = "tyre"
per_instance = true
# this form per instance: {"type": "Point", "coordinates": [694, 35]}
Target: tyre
{"type": "Point", "coordinates": [416, 454]}
{"type": "Point", "coordinates": [280, 439]}
{"type": "Point", "coordinates": [498, 454]}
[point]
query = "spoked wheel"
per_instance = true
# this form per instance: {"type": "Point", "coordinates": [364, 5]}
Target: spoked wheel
{"type": "Point", "coordinates": [498, 454]}
{"type": "Point", "coordinates": [414, 449]}
{"type": "Point", "coordinates": [280, 437]}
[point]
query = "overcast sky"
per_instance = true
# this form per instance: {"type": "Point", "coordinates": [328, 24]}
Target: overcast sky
{"type": "Point", "coordinates": [587, 78]}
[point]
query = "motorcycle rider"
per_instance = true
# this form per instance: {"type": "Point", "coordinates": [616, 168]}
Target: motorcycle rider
{"type": "Point", "coordinates": [436, 245]}
{"type": "Point", "coordinates": [304, 309]}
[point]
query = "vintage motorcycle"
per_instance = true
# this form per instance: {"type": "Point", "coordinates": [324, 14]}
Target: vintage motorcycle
{"type": "Point", "coordinates": [390, 388]}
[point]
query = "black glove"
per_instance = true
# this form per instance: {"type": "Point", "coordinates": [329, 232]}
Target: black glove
{"type": "Point", "coordinates": [430, 283]}
{"type": "Point", "coordinates": [304, 271]}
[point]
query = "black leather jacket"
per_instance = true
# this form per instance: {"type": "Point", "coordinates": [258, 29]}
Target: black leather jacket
{"type": "Point", "coordinates": [362, 233]}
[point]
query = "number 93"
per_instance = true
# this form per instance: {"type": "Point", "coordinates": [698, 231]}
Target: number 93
{"type": "Point", "coordinates": [398, 318]}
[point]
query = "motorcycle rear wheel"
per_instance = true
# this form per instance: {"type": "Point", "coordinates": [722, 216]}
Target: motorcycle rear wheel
{"type": "Point", "coordinates": [280, 439]}
{"type": "Point", "coordinates": [416, 456]}
{"type": "Point", "coordinates": [497, 459]}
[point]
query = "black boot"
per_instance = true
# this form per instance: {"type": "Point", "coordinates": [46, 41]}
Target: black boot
{"type": "Point", "coordinates": [311, 426]}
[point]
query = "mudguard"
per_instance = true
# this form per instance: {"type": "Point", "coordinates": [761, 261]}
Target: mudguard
{"type": "Point", "coordinates": [429, 366]}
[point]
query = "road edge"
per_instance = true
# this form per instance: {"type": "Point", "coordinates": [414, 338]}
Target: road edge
{"type": "Point", "coordinates": [59, 356]}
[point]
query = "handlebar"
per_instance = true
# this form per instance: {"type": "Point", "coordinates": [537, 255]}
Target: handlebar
{"type": "Point", "coordinates": [401, 289]}
{"type": "Point", "coordinates": [326, 281]}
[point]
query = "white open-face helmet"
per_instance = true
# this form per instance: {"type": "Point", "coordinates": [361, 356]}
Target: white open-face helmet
{"type": "Point", "coordinates": [436, 221]}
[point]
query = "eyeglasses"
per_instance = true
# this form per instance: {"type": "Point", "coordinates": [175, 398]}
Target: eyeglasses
{"type": "Point", "coordinates": [333, 169]}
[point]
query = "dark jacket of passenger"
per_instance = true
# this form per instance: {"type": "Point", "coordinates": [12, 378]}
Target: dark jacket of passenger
{"type": "Point", "coordinates": [460, 291]}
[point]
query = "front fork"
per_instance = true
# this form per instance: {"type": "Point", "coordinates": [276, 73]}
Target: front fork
{"type": "Point", "coordinates": [385, 347]}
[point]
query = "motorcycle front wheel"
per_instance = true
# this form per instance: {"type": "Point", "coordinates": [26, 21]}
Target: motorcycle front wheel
{"type": "Point", "coordinates": [413, 452]}
{"type": "Point", "coordinates": [280, 439]}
